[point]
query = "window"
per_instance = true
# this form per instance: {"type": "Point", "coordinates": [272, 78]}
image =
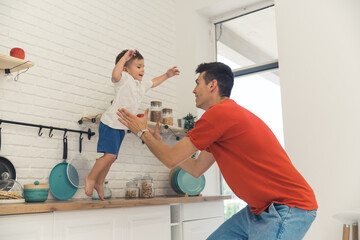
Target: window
{"type": "Point", "coordinates": [248, 45]}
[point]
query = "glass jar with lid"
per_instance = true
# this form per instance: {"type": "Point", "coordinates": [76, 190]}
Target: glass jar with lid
{"type": "Point", "coordinates": [107, 192]}
{"type": "Point", "coordinates": [155, 111]}
{"type": "Point", "coordinates": [147, 187]}
{"type": "Point", "coordinates": [167, 117]}
{"type": "Point", "coordinates": [10, 189]}
{"type": "Point", "coordinates": [132, 190]}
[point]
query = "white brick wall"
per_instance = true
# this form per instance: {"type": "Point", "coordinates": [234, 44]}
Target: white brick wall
{"type": "Point", "coordinates": [73, 45]}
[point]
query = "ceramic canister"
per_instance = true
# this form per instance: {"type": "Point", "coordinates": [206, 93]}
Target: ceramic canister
{"type": "Point", "coordinates": [36, 192]}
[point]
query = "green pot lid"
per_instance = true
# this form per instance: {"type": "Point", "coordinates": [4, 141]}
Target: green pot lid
{"type": "Point", "coordinates": [189, 184]}
{"type": "Point", "coordinates": [60, 185]}
{"type": "Point", "coordinates": [175, 183]}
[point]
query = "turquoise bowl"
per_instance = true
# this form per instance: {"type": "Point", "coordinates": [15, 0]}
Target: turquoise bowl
{"type": "Point", "coordinates": [37, 192]}
{"type": "Point", "coordinates": [36, 195]}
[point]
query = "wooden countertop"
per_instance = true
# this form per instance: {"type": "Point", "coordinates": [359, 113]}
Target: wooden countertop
{"type": "Point", "coordinates": [84, 204]}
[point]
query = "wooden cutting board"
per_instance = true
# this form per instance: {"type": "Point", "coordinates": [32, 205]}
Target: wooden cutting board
{"type": "Point", "coordinates": [13, 64]}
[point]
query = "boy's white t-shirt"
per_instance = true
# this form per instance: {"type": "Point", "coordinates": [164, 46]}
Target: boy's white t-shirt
{"type": "Point", "coordinates": [128, 94]}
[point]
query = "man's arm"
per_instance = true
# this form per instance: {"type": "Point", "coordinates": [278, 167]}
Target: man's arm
{"type": "Point", "coordinates": [160, 79]}
{"type": "Point", "coordinates": [197, 167]}
{"type": "Point", "coordinates": [170, 156]}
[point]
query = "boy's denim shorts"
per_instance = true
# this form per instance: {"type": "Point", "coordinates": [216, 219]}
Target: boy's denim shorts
{"type": "Point", "coordinates": [110, 139]}
{"type": "Point", "coordinates": [278, 222]}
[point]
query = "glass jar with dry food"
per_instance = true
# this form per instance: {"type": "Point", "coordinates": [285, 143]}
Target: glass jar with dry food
{"type": "Point", "coordinates": [167, 117]}
{"type": "Point", "coordinates": [155, 111]}
{"type": "Point", "coordinates": [131, 191]}
{"type": "Point", "coordinates": [147, 187]}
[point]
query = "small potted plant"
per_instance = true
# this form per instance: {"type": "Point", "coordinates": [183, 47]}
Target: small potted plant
{"type": "Point", "coordinates": [189, 122]}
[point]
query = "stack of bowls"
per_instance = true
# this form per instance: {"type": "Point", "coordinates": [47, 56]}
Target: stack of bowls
{"type": "Point", "coordinates": [37, 192]}
{"type": "Point", "coordinates": [184, 183]}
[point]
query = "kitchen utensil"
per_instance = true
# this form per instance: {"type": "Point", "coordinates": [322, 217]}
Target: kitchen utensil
{"type": "Point", "coordinates": [189, 184]}
{"type": "Point", "coordinates": [12, 186]}
{"type": "Point", "coordinates": [59, 183]}
{"type": "Point", "coordinates": [172, 171]}
{"type": "Point", "coordinates": [7, 175]}
{"type": "Point", "coordinates": [36, 192]}
{"type": "Point", "coordinates": [175, 183]}
{"type": "Point", "coordinates": [78, 167]}
{"type": "Point", "coordinates": [173, 180]}
{"type": "Point", "coordinates": [7, 167]}
{"type": "Point", "coordinates": [11, 191]}
{"type": "Point", "coordinates": [107, 192]}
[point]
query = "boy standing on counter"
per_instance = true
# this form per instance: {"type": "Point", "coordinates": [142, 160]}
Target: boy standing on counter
{"type": "Point", "coordinates": [127, 77]}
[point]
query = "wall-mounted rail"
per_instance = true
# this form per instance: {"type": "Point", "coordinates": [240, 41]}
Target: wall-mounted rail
{"type": "Point", "coordinates": [89, 132]}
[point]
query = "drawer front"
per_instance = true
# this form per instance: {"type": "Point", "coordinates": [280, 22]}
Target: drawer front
{"type": "Point", "coordinates": [201, 210]}
{"type": "Point", "coordinates": [200, 229]}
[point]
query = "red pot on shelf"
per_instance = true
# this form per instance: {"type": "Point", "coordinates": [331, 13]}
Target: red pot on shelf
{"type": "Point", "coordinates": [18, 53]}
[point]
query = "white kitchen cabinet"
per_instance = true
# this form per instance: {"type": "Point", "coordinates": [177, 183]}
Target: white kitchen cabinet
{"type": "Point", "coordinates": [175, 221]}
{"type": "Point", "coordinates": [195, 221]}
{"type": "Point", "coordinates": [94, 224]}
{"type": "Point", "coordinates": [201, 229]}
{"type": "Point", "coordinates": [29, 226]}
{"type": "Point", "coordinates": [134, 223]}
{"type": "Point", "coordinates": [151, 222]}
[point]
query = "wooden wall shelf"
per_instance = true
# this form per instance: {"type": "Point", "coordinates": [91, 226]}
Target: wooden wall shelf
{"type": "Point", "coordinates": [164, 129]}
{"type": "Point", "coordinates": [13, 64]}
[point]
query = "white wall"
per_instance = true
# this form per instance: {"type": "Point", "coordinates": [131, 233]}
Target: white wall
{"type": "Point", "coordinates": [319, 49]}
{"type": "Point", "coordinates": [73, 45]}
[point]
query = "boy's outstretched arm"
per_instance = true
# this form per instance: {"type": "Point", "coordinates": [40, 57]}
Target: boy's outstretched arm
{"type": "Point", "coordinates": [119, 67]}
{"type": "Point", "coordinates": [169, 73]}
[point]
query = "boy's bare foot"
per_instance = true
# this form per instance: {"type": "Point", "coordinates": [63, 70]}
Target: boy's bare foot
{"type": "Point", "coordinates": [100, 190]}
{"type": "Point", "coordinates": [89, 186]}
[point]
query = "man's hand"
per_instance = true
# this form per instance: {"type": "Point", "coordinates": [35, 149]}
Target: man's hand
{"type": "Point", "coordinates": [132, 122]}
{"type": "Point", "coordinates": [156, 132]}
{"type": "Point", "coordinates": [172, 72]}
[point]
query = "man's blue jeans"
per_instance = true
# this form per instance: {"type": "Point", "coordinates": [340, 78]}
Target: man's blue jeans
{"type": "Point", "coordinates": [278, 222]}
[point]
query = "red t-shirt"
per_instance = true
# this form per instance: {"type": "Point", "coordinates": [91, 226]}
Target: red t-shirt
{"type": "Point", "coordinates": [250, 158]}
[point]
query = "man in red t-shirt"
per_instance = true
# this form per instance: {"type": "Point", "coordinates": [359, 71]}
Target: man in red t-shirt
{"type": "Point", "coordinates": [281, 204]}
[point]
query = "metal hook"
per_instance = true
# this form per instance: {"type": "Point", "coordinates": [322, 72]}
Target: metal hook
{"type": "Point", "coordinates": [90, 133]}
{"type": "Point", "coordinates": [50, 133]}
{"type": "Point", "coordinates": [80, 142]}
{"type": "Point", "coordinates": [65, 131]}
{"type": "Point", "coordinates": [40, 133]}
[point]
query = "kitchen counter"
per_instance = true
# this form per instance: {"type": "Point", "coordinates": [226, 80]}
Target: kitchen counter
{"type": "Point", "coordinates": [83, 204]}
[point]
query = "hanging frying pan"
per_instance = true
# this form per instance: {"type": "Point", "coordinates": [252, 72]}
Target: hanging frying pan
{"type": "Point", "coordinates": [59, 183]}
{"type": "Point", "coordinates": [7, 166]}
{"type": "Point", "coordinates": [78, 167]}
{"type": "Point", "coordinates": [7, 171]}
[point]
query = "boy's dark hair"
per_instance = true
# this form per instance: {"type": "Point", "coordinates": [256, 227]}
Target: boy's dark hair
{"type": "Point", "coordinates": [221, 72]}
{"type": "Point", "coordinates": [137, 56]}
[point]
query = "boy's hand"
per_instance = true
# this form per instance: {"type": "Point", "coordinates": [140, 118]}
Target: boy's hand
{"type": "Point", "coordinates": [128, 55]}
{"type": "Point", "coordinates": [172, 72]}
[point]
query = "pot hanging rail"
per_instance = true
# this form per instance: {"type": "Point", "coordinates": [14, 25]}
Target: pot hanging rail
{"type": "Point", "coordinates": [89, 132]}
